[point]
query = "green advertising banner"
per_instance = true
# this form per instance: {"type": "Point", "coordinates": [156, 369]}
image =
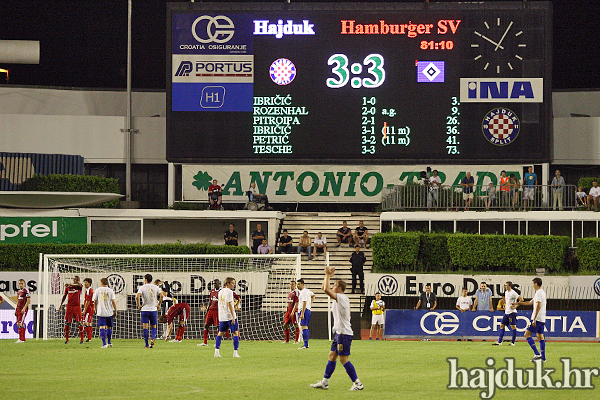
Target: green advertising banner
{"type": "Point", "coordinates": [16, 230]}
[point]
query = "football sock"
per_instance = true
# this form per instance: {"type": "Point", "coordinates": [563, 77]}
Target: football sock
{"type": "Point", "coordinates": [103, 336]}
{"type": "Point", "coordinates": [89, 331]}
{"type": "Point", "coordinates": [351, 371]}
{"type": "Point", "coordinates": [514, 335]}
{"type": "Point", "coordinates": [180, 333]}
{"type": "Point", "coordinates": [205, 335]}
{"type": "Point", "coordinates": [532, 345]}
{"type": "Point", "coordinates": [81, 332]}
{"type": "Point", "coordinates": [22, 333]}
{"type": "Point", "coordinates": [501, 336]}
{"type": "Point", "coordinates": [146, 336]}
{"type": "Point", "coordinates": [329, 369]}
{"type": "Point", "coordinates": [305, 336]}
{"type": "Point", "coordinates": [542, 346]}
{"type": "Point", "coordinates": [297, 333]}
{"type": "Point", "coordinates": [236, 342]}
{"type": "Point", "coordinates": [108, 335]}
{"type": "Point", "coordinates": [287, 335]}
{"type": "Point", "coordinates": [154, 330]}
{"type": "Point", "coordinates": [67, 329]}
{"type": "Point", "coordinates": [218, 342]}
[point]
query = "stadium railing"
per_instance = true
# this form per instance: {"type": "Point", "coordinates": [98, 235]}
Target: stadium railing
{"type": "Point", "coordinates": [414, 197]}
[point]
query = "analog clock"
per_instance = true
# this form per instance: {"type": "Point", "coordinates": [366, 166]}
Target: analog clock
{"type": "Point", "coordinates": [499, 45]}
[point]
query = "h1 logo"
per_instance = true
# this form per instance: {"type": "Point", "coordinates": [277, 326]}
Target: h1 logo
{"type": "Point", "coordinates": [212, 97]}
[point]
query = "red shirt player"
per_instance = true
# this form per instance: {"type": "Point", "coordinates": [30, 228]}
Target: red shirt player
{"type": "Point", "coordinates": [182, 310]}
{"type": "Point", "coordinates": [212, 316]}
{"type": "Point", "coordinates": [88, 308]}
{"type": "Point", "coordinates": [23, 300]}
{"type": "Point", "coordinates": [290, 317]}
{"type": "Point", "coordinates": [73, 290]}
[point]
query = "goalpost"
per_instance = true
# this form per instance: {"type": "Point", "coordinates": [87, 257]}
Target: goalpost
{"type": "Point", "coordinates": [262, 281]}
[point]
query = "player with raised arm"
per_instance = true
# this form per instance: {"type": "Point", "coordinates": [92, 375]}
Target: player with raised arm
{"type": "Point", "coordinates": [291, 313]}
{"type": "Point", "coordinates": [212, 314]}
{"type": "Point", "coordinates": [152, 297]}
{"type": "Point", "coordinates": [510, 313]}
{"type": "Point", "coordinates": [538, 320]}
{"type": "Point", "coordinates": [73, 310]}
{"type": "Point", "coordinates": [227, 317]}
{"type": "Point", "coordinates": [106, 311]}
{"type": "Point", "coordinates": [343, 333]}
{"type": "Point", "coordinates": [23, 300]}
{"type": "Point", "coordinates": [305, 300]}
{"type": "Point", "coordinates": [182, 310]}
{"type": "Point", "coordinates": [88, 308]}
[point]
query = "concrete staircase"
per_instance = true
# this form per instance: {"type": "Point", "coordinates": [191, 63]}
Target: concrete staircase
{"type": "Point", "coordinates": [339, 257]}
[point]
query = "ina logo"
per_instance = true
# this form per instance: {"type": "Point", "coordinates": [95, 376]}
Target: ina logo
{"type": "Point", "coordinates": [116, 283]}
{"type": "Point", "coordinates": [387, 285]}
{"type": "Point", "coordinates": [184, 69]}
{"type": "Point", "coordinates": [501, 126]}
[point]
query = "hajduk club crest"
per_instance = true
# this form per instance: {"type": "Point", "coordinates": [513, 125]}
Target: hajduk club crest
{"type": "Point", "coordinates": [501, 126]}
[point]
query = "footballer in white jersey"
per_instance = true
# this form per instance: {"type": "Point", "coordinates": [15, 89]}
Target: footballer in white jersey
{"type": "Point", "coordinates": [538, 320]}
{"type": "Point", "coordinates": [151, 296]}
{"type": "Point", "coordinates": [106, 309]}
{"type": "Point", "coordinates": [305, 300]}
{"type": "Point", "coordinates": [227, 317]}
{"type": "Point", "coordinates": [343, 333]}
{"type": "Point", "coordinates": [511, 298]}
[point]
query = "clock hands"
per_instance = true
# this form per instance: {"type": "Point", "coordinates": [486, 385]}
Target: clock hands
{"type": "Point", "coordinates": [490, 40]}
{"type": "Point", "coordinates": [503, 36]}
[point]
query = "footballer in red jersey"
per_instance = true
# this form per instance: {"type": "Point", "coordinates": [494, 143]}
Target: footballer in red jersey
{"type": "Point", "coordinates": [212, 315]}
{"type": "Point", "coordinates": [290, 317]}
{"type": "Point", "coordinates": [88, 308]}
{"type": "Point", "coordinates": [73, 291]}
{"type": "Point", "coordinates": [23, 300]}
{"type": "Point", "coordinates": [182, 310]}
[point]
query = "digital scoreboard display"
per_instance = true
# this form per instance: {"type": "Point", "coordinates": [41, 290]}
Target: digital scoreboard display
{"type": "Point", "coordinates": [359, 83]}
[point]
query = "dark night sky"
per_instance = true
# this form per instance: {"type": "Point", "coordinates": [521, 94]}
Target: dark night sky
{"type": "Point", "coordinates": [84, 43]}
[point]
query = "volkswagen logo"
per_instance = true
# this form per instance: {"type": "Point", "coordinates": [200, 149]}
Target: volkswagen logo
{"type": "Point", "coordinates": [597, 286]}
{"type": "Point", "coordinates": [116, 283]}
{"type": "Point", "coordinates": [445, 323]}
{"type": "Point", "coordinates": [219, 29]}
{"type": "Point", "coordinates": [387, 285]}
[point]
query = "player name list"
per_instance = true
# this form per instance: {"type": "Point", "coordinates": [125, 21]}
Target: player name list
{"type": "Point", "coordinates": [274, 119]}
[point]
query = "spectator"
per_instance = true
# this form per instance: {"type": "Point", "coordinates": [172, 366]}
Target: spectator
{"type": "Point", "coordinates": [581, 197]}
{"type": "Point", "coordinates": [593, 196]}
{"type": "Point", "coordinates": [464, 302]}
{"type": "Point", "coordinates": [529, 183]}
{"type": "Point", "coordinates": [304, 244]}
{"type": "Point", "coordinates": [488, 199]}
{"type": "Point", "coordinates": [215, 194]}
{"type": "Point", "coordinates": [483, 299]}
{"type": "Point", "coordinates": [264, 248]}
{"type": "Point", "coordinates": [285, 243]}
{"type": "Point", "coordinates": [427, 300]}
{"type": "Point", "coordinates": [377, 319]}
{"type": "Point", "coordinates": [254, 195]}
{"type": "Point", "coordinates": [358, 259]}
{"type": "Point", "coordinates": [514, 184]}
{"type": "Point", "coordinates": [501, 304]}
{"type": "Point", "coordinates": [433, 193]}
{"type": "Point", "coordinates": [344, 234]}
{"type": "Point", "coordinates": [504, 190]}
{"type": "Point", "coordinates": [467, 183]}
{"type": "Point", "coordinates": [320, 244]}
{"type": "Point", "coordinates": [231, 236]}
{"type": "Point", "coordinates": [361, 235]}
{"type": "Point", "coordinates": [257, 237]}
{"type": "Point", "coordinates": [558, 187]}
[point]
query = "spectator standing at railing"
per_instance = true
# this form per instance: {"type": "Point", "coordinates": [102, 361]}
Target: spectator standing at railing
{"type": "Point", "coordinates": [558, 187]}
{"type": "Point", "coordinates": [467, 183]}
{"type": "Point", "coordinates": [529, 183]}
{"type": "Point", "coordinates": [514, 183]}
{"type": "Point", "coordinates": [433, 194]}
{"type": "Point", "coordinates": [483, 299]}
{"type": "Point", "coordinates": [504, 190]}
{"type": "Point", "coordinates": [427, 300]}
{"type": "Point", "coordinates": [594, 195]}
{"type": "Point", "coordinates": [490, 196]}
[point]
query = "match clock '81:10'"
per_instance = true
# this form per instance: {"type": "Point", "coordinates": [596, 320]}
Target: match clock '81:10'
{"type": "Point", "coordinates": [343, 71]}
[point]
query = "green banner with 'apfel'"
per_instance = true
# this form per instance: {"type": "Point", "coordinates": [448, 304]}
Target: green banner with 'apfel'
{"type": "Point", "coordinates": [43, 230]}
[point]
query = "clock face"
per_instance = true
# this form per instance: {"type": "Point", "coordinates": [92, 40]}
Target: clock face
{"type": "Point", "coordinates": [499, 45]}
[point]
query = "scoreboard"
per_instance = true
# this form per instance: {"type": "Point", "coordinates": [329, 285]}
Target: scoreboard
{"type": "Point", "coordinates": [359, 83]}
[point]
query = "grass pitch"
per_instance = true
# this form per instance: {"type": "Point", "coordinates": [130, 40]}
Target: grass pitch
{"type": "Point", "coordinates": [267, 370]}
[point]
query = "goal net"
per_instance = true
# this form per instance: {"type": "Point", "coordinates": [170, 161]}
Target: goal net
{"type": "Point", "coordinates": [262, 281]}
